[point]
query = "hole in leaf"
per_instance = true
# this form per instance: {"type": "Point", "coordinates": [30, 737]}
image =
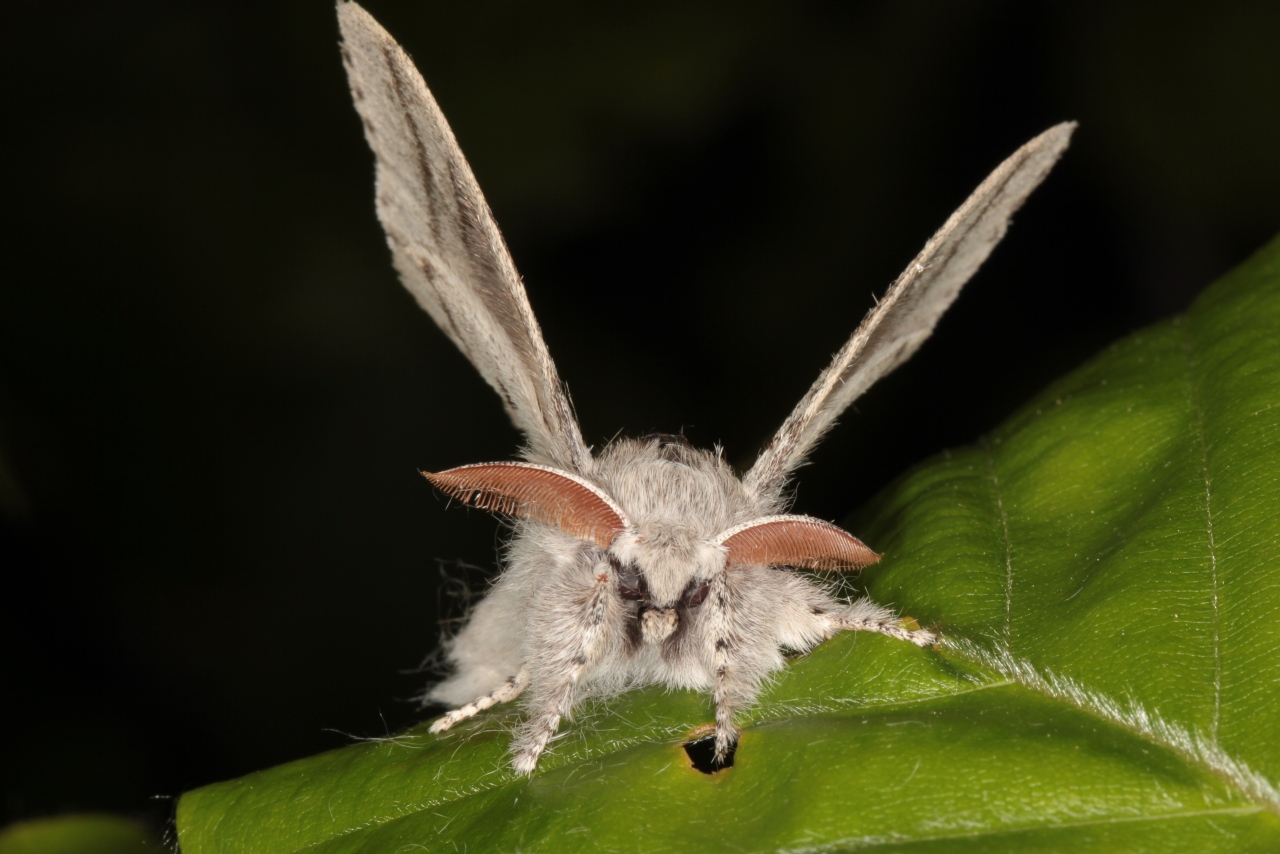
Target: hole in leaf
{"type": "Point", "coordinates": [702, 753]}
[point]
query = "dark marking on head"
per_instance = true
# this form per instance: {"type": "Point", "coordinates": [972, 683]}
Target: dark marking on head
{"type": "Point", "coordinates": [631, 623]}
{"type": "Point", "coordinates": [721, 644]}
{"type": "Point", "coordinates": [580, 659]}
{"type": "Point", "coordinates": [695, 594]}
{"type": "Point", "coordinates": [631, 583]}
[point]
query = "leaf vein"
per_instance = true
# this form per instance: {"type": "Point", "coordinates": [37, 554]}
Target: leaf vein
{"type": "Point", "coordinates": [1197, 411]}
{"type": "Point", "coordinates": [1004, 533]}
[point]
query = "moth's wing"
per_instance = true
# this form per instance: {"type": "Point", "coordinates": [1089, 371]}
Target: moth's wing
{"type": "Point", "coordinates": [445, 243]}
{"type": "Point", "coordinates": [895, 329]}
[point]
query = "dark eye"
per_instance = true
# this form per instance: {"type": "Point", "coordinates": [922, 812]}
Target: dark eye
{"type": "Point", "coordinates": [694, 594]}
{"type": "Point", "coordinates": [631, 584]}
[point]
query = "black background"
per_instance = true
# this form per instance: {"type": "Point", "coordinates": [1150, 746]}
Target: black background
{"type": "Point", "coordinates": [217, 552]}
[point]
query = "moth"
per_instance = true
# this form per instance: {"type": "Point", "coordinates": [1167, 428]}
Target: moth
{"type": "Point", "coordinates": [647, 561]}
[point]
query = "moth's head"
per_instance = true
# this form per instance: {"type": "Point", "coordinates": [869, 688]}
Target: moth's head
{"type": "Point", "coordinates": [670, 561]}
{"type": "Point", "coordinates": [676, 499]}
{"type": "Point", "coordinates": [668, 518]}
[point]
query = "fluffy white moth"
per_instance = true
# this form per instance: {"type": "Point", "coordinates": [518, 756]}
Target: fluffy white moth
{"type": "Point", "coordinates": [648, 561]}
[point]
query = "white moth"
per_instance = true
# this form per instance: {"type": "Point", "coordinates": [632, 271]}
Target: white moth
{"type": "Point", "coordinates": [649, 561]}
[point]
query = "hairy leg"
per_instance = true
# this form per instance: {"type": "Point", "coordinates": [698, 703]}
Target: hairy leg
{"type": "Point", "coordinates": [504, 693]}
{"type": "Point", "coordinates": [750, 613]}
{"type": "Point", "coordinates": [866, 616]}
{"type": "Point", "coordinates": [569, 638]}
{"type": "Point", "coordinates": [733, 688]}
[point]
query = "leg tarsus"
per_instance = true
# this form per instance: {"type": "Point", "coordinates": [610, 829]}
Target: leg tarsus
{"type": "Point", "coordinates": [866, 616]}
{"type": "Point", "coordinates": [724, 639]}
{"type": "Point", "coordinates": [560, 672]}
{"type": "Point", "coordinates": [504, 693]}
{"type": "Point", "coordinates": [537, 732]}
{"type": "Point", "coordinates": [726, 733]}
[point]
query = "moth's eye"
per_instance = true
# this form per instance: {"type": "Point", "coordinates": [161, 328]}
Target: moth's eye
{"type": "Point", "coordinates": [631, 584]}
{"type": "Point", "coordinates": [695, 593]}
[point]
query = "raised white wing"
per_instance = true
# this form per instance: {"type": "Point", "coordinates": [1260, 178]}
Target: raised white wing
{"type": "Point", "coordinates": [446, 245]}
{"type": "Point", "coordinates": [893, 330]}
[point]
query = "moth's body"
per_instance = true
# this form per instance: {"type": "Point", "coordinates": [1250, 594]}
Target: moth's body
{"type": "Point", "coordinates": [571, 619]}
{"type": "Point", "coordinates": [679, 499]}
{"type": "Point", "coordinates": [648, 562]}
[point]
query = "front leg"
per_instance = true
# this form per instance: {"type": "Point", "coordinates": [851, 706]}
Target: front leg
{"type": "Point", "coordinates": [733, 687]}
{"type": "Point", "coordinates": [570, 634]}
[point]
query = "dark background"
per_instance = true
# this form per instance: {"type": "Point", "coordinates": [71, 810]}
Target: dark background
{"type": "Point", "coordinates": [217, 553]}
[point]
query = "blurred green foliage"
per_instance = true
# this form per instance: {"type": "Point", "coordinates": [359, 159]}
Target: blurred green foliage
{"type": "Point", "coordinates": [77, 834]}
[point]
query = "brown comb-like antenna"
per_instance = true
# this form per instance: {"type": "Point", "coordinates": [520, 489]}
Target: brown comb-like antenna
{"type": "Point", "coordinates": [541, 493]}
{"type": "Point", "coordinates": [800, 541]}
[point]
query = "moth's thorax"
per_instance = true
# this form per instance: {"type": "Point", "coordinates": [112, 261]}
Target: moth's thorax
{"type": "Point", "coordinates": [679, 500]}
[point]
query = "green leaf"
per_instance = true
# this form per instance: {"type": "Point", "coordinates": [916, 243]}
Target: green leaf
{"type": "Point", "coordinates": [1105, 568]}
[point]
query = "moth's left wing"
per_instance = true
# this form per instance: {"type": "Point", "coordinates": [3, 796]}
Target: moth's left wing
{"type": "Point", "coordinates": [445, 243]}
{"type": "Point", "coordinates": [895, 329]}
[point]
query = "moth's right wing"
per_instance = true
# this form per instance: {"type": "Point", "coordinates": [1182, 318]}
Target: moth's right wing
{"type": "Point", "coordinates": [900, 323]}
{"type": "Point", "coordinates": [445, 243]}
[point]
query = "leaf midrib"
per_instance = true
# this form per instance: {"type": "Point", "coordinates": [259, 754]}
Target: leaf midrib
{"type": "Point", "coordinates": [1202, 441]}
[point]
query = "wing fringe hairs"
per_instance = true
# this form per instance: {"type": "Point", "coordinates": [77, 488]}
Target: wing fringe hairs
{"type": "Point", "coordinates": [650, 561]}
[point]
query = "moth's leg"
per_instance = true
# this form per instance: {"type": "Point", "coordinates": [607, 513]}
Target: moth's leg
{"type": "Point", "coordinates": [570, 638]}
{"type": "Point", "coordinates": [866, 616]}
{"type": "Point", "coordinates": [733, 687]}
{"type": "Point", "coordinates": [504, 693]}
